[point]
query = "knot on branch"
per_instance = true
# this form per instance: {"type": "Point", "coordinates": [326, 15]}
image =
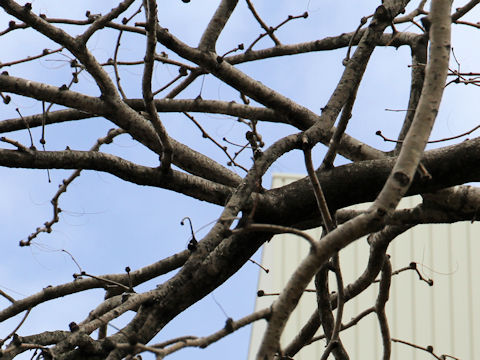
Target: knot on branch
{"type": "Point", "coordinates": [306, 143]}
{"type": "Point", "coordinates": [402, 178]}
{"type": "Point", "coordinates": [382, 14]}
{"type": "Point", "coordinates": [73, 326]}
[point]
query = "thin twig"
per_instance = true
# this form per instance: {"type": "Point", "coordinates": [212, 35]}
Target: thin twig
{"type": "Point", "coordinates": [276, 229]}
{"type": "Point", "coordinates": [194, 74]}
{"type": "Point", "coordinates": [107, 281]}
{"type": "Point", "coordinates": [259, 265]}
{"type": "Point", "coordinates": [6, 296]}
{"type": "Point", "coordinates": [363, 21]}
{"type": "Point", "coordinates": [379, 133]}
{"type": "Point", "coordinates": [412, 266]}
{"type": "Point", "coordinates": [13, 332]}
{"type": "Point", "coordinates": [45, 52]}
{"type": "Point", "coordinates": [428, 349]}
{"type": "Point", "coordinates": [167, 150]}
{"type": "Point", "coordinates": [182, 72]}
{"type": "Point", "coordinates": [265, 27]}
{"type": "Point", "coordinates": [317, 189]}
{"type": "Point", "coordinates": [382, 298]}
{"type": "Point", "coordinates": [28, 128]}
{"type": "Point", "coordinates": [329, 158]}
{"type": "Point", "coordinates": [207, 136]}
{"type": "Point", "coordinates": [272, 30]}
{"type": "Point", "coordinates": [19, 146]}
{"type": "Point", "coordinates": [348, 325]}
{"type": "Point", "coordinates": [47, 228]}
{"type": "Point", "coordinates": [203, 342]}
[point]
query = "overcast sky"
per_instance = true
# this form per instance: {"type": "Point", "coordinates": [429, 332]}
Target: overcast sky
{"type": "Point", "coordinates": [107, 224]}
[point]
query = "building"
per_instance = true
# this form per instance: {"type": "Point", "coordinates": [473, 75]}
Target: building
{"type": "Point", "coordinates": [445, 315]}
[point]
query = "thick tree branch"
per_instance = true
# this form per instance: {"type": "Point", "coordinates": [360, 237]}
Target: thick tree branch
{"type": "Point", "coordinates": [393, 190]}
{"type": "Point", "coordinates": [75, 45]}
{"type": "Point", "coordinates": [186, 158]}
{"type": "Point", "coordinates": [137, 277]}
{"type": "Point", "coordinates": [325, 44]}
{"type": "Point", "coordinates": [419, 61]}
{"type": "Point", "coordinates": [162, 105]}
{"type": "Point", "coordinates": [126, 170]}
{"type": "Point", "coordinates": [251, 214]}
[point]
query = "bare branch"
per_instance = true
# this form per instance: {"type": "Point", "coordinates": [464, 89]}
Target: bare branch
{"type": "Point", "coordinates": [216, 25]}
{"type": "Point", "coordinates": [250, 212]}
{"type": "Point", "coordinates": [167, 151]}
{"type": "Point", "coordinates": [382, 298]}
{"type": "Point", "coordinates": [101, 21]}
{"type": "Point", "coordinates": [203, 342]}
{"type": "Point", "coordinates": [267, 29]}
{"type": "Point", "coordinates": [464, 10]}
{"type": "Point", "coordinates": [139, 276]}
{"type": "Point", "coordinates": [63, 188]}
{"type": "Point", "coordinates": [276, 229]}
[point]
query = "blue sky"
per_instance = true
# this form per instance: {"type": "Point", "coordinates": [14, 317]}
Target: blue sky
{"type": "Point", "coordinates": [107, 224]}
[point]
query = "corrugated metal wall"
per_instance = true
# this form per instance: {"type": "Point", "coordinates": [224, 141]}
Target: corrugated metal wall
{"type": "Point", "coordinates": [445, 315]}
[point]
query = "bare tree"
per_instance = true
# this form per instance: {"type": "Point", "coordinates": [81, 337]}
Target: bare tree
{"type": "Point", "coordinates": [251, 214]}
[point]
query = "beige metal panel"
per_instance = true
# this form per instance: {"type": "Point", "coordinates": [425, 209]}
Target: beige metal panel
{"type": "Point", "coordinates": [446, 315]}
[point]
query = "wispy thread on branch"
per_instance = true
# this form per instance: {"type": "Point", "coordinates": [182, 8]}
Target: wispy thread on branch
{"type": "Point", "coordinates": [47, 228]}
